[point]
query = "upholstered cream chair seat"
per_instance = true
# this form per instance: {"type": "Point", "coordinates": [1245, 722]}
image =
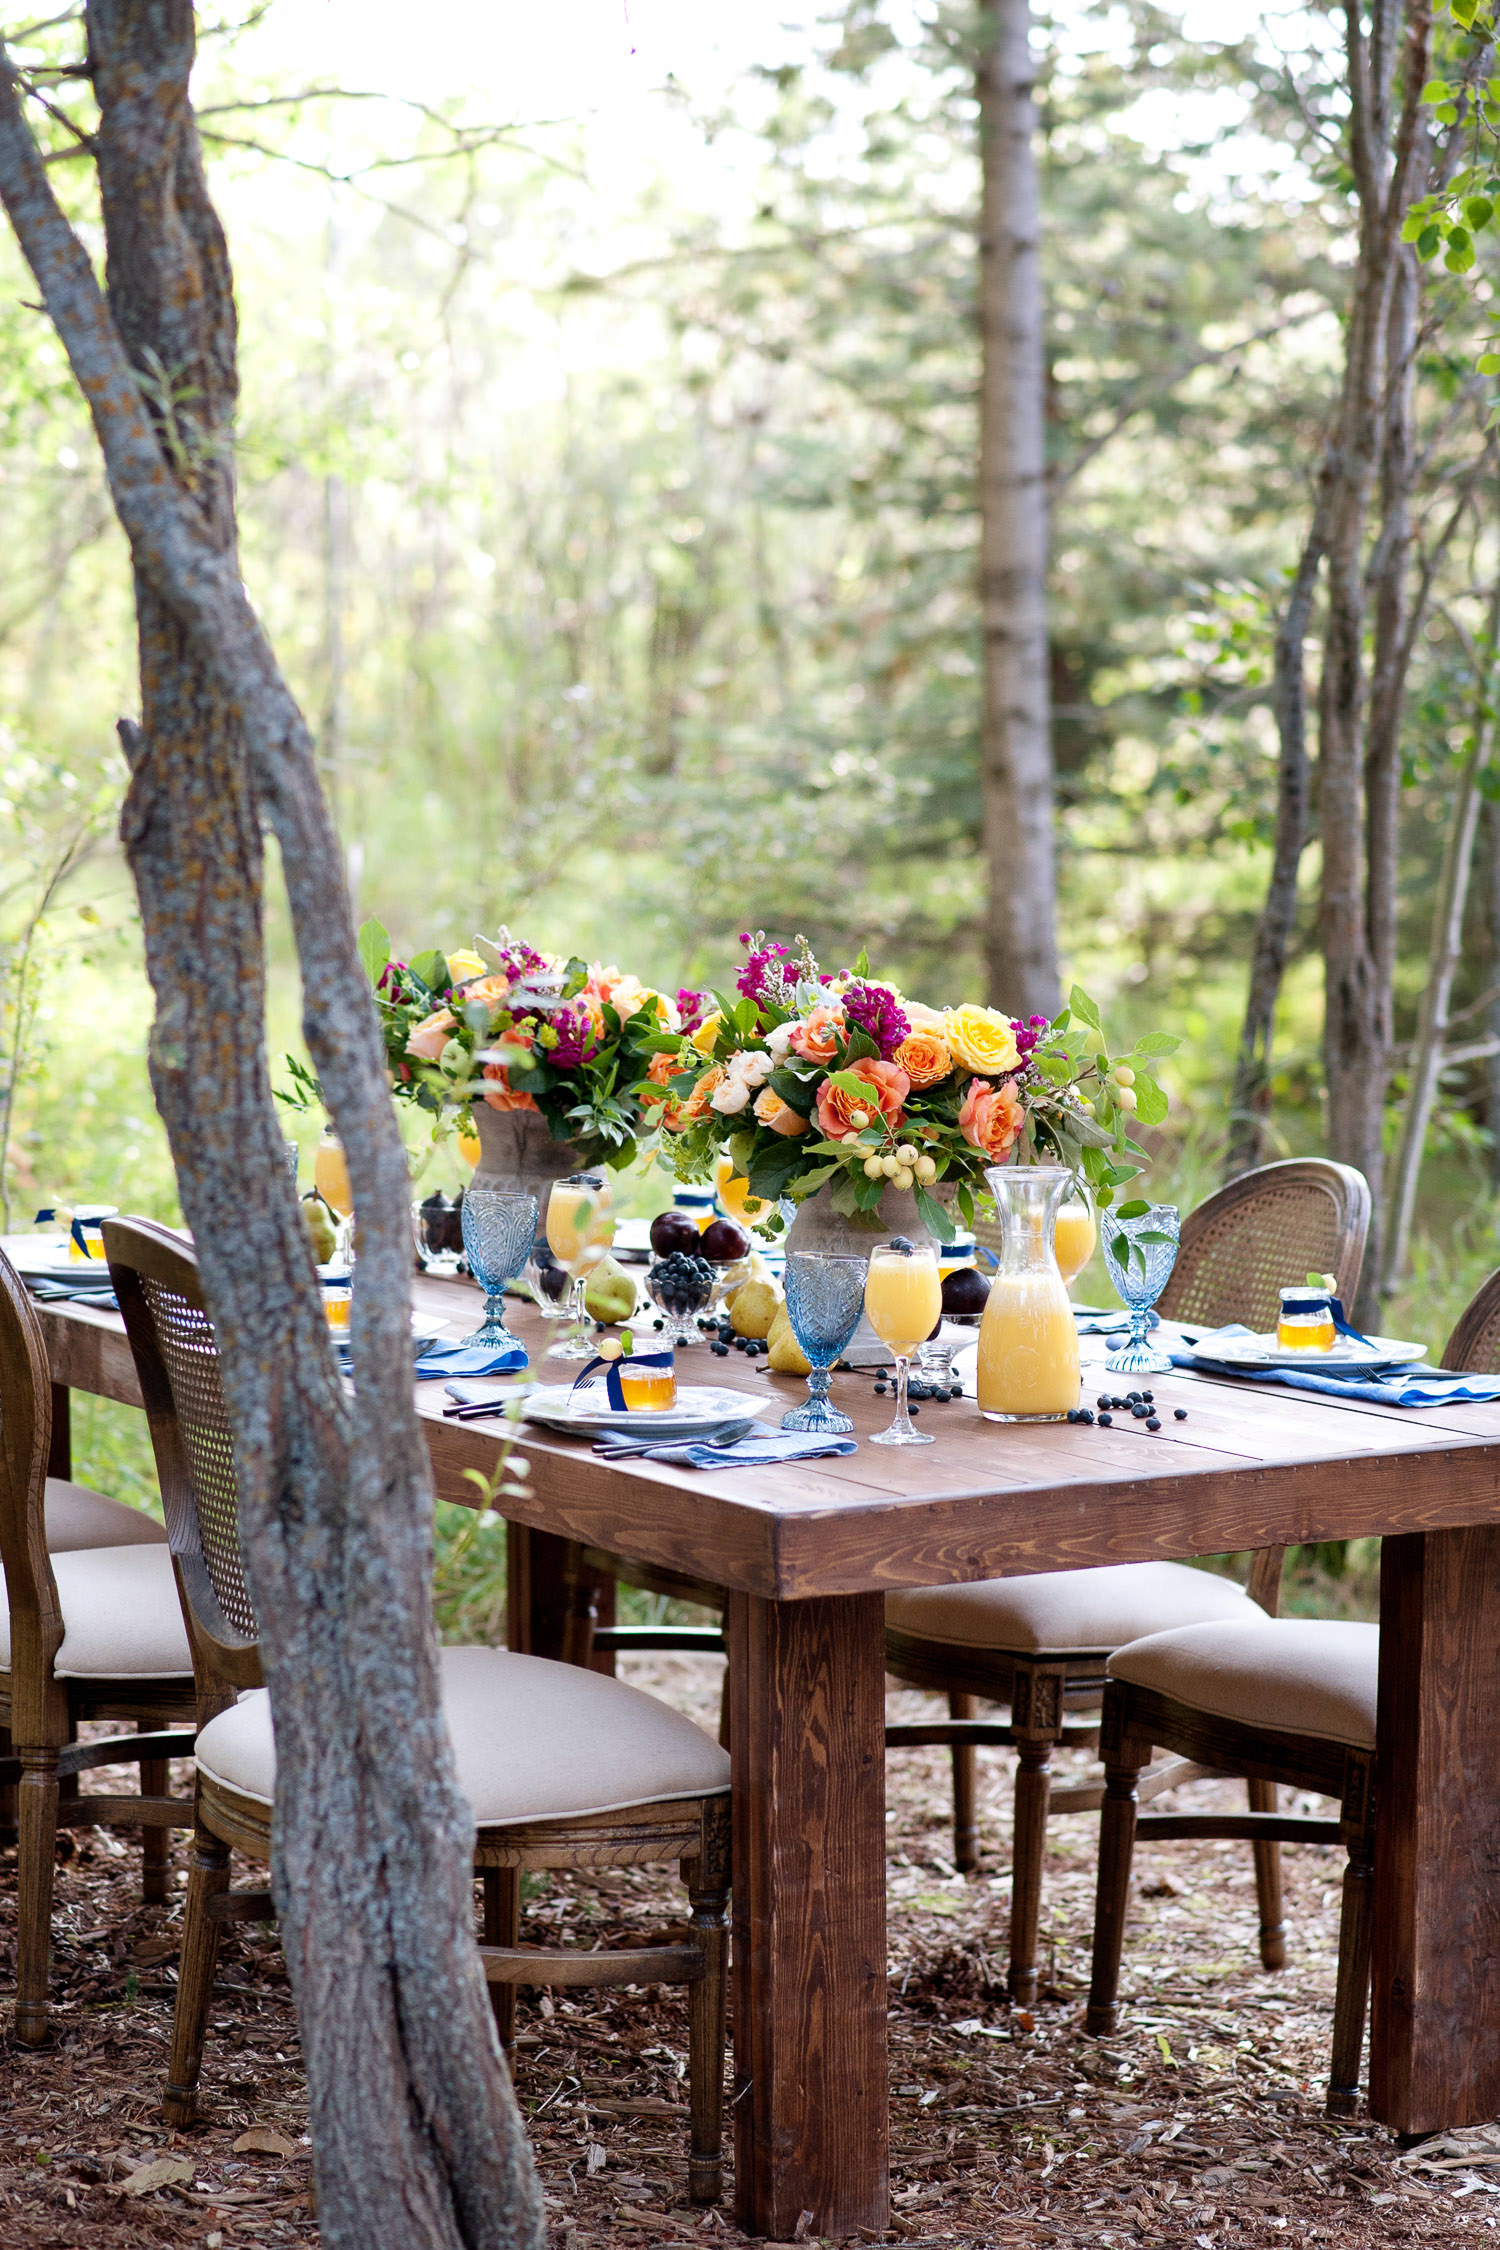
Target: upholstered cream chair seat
{"type": "Point", "coordinates": [1290, 1675]}
{"type": "Point", "coordinates": [76, 1516]}
{"type": "Point", "coordinates": [121, 1617]}
{"type": "Point", "coordinates": [1068, 1612]}
{"type": "Point", "coordinates": [533, 1741]}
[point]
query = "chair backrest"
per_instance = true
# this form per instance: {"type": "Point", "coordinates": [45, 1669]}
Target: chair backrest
{"type": "Point", "coordinates": [177, 1362]}
{"type": "Point", "coordinates": [1263, 1232]}
{"type": "Point", "coordinates": [1474, 1346]}
{"type": "Point", "coordinates": [36, 1626]}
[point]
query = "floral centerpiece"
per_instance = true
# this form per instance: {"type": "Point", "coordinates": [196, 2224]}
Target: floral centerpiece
{"type": "Point", "coordinates": [502, 1029]}
{"type": "Point", "coordinates": [814, 1080]}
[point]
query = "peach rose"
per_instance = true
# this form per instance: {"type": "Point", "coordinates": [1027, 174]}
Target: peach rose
{"type": "Point", "coordinates": [921, 1017]}
{"type": "Point", "coordinates": [817, 1038]}
{"type": "Point", "coordinates": [924, 1057]}
{"type": "Point", "coordinates": [991, 1118]}
{"type": "Point", "coordinates": [662, 1069]}
{"type": "Point", "coordinates": [430, 1037]}
{"type": "Point", "coordinates": [780, 1116]}
{"type": "Point", "coordinates": [677, 1116]}
{"type": "Point", "coordinates": [889, 1087]}
{"type": "Point", "coordinates": [501, 1095]}
{"type": "Point", "coordinates": [493, 990]}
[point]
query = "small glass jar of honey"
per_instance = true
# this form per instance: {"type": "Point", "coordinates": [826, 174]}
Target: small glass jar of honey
{"type": "Point", "coordinates": [649, 1384]}
{"type": "Point", "coordinates": [1306, 1321]}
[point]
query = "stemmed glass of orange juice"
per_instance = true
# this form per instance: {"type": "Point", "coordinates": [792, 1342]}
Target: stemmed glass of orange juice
{"type": "Point", "coordinates": [580, 1229]}
{"type": "Point", "coordinates": [1075, 1232]}
{"type": "Point", "coordinates": [331, 1179]}
{"type": "Point", "coordinates": [903, 1302]}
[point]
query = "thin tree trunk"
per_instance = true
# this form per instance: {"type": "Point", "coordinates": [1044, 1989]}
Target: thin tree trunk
{"type": "Point", "coordinates": [1490, 848]}
{"type": "Point", "coordinates": [1444, 955]}
{"type": "Point", "coordinates": [1250, 1103]}
{"type": "Point", "coordinates": [1357, 768]}
{"type": "Point", "coordinates": [1017, 777]}
{"type": "Point", "coordinates": [417, 2138]}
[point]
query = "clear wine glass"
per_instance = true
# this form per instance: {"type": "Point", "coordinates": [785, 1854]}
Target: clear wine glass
{"type": "Point", "coordinates": [498, 1233]}
{"type": "Point", "coordinates": [903, 1298]}
{"type": "Point", "coordinates": [551, 1285]}
{"type": "Point", "coordinates": [825, 1295]}
{"type": "Point", "coordinates": [1140, 1250]}
{"type": "Point", "coordinates": [580, 1229]}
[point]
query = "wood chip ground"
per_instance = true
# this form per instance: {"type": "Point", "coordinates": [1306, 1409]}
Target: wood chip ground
{"type": "Point", "coordinates": [1201, 2124]}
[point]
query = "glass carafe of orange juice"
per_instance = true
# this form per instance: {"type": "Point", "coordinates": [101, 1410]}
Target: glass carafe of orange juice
{"type": "Point", "coordinates": [1028, 1344]}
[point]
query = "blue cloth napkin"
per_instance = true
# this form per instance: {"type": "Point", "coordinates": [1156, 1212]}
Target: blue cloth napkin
{"type": "Point", "coordinates": [462, 1359]}
{"type": "Point", "coordinates": [98, 1293]}
{"type": "Point", "coordinates": [758, 1448]}
{"type": "Point", "coordinates": [1425, 1386]}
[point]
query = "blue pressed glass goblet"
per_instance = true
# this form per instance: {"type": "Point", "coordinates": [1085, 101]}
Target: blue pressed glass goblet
{"type": "Point", "coordinates": [1140, 1252]}
{"type": "Point", "coordinates": [825, 1295]}
{"type": "Point", "coordinates": [499, 1231]}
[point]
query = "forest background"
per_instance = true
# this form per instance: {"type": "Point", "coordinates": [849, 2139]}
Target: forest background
{"type": "Point", "coordinates": [607, 466]}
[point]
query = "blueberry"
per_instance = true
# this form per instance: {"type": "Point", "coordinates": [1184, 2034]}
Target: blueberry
{"type": "Point", "coordinates": [1148, 1396]}
{"type": "Point", "coordinates": [880, 1390]}
{"type": "Point", "coordinates": [658, 1324]}
{"type": "Point", "coordinates": [1106, 1422]}
{"type": "Point", "coordinates": [1138, 1412]}
{"type": "Point", "coordinates": [914, 1410]}
{"type": "Point", "coordinates": [1179, 1413]}
{"type": "Point", "coordinates": [1074, 1415]}
{"type": "Point", "coordinates": [1086, 1414]}
{"type": "Point", "coordinates": [1153, 1422]}
{"type": "Point", "coordinates": [1104, 1403]}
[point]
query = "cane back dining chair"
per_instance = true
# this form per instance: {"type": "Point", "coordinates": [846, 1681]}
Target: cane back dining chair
{"type": "Point", "coordinates": [563, 1768]}
{"type": "Point", "coordinates": [1040, 1644]}
{"type": "Point", "coordinates": [90, 1629]}
{"type": "Point", "coordinates": [1275, 1701]}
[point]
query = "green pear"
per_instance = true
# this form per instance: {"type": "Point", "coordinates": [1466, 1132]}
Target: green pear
{"type": "Point", "coordinates": [321, 1232]}
{"type": "Point", "coordinates": [610, 1294]}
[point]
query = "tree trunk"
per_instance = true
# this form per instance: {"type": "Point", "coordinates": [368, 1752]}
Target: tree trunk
{"type": "Point", "coordinates": [416, 2134]}
{"type": "Point", "coordinates": [1021, 933]}
{"type": "Point", "coordinates": [1444, 955]}
{"type": "Point", "coordinates": [1357, 753]}
{"type": "Point", "coordinates": [1250, 1103]}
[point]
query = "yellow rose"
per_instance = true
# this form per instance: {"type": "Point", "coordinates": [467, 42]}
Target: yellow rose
{"type": "Point", "coordinates": [982, 1039]}
{"type": "Point", "coordinates": [707, 1033]}
{"type": "Point", "coordinates": [464, 964]}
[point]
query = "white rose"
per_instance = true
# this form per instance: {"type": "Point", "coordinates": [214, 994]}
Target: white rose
{"type": "Point", "coordinates": [779, 1040]}
{"type": "Point", "coordinates": [755, 1069]}
{"type": "Point", "coordinates": [730, 1097]}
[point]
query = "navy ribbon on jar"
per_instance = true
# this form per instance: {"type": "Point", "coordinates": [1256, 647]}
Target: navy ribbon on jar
{"type": "Point", "coordinates": [614, 1367]}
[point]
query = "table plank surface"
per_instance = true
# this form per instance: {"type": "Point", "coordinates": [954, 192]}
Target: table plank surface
{"type": "Point", "coordinates": [805, 1551]}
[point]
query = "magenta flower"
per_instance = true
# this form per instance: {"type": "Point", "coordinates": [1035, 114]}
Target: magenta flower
{"type": "Point", "coordinates": [878, 1013]}
{"type": "Point", "coordinates": [692, 1007]}
{"type": "Point", "coordinates": [577, 1040]}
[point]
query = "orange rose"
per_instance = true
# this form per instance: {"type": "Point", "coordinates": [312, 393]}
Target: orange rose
{"type": "Point", "coordinates": [778, 1115]}
{"type": "Point", "coordinates": [991, 1118]}
{"type": "Point", "coordinates": [501, 1095]}
{"type": "Point", "coordinates": [662, 1069]}
{"type": "Point", "coordinates": [924, 1057]}
{"type": "Point", "coordinates": [817, 1038]}
{"type": "Point", "coordinates": [677, 1116]}
{"type": "Point", "coordinates": [889, 1087]}
{"type": "Point", "coordinates": [430, 1037]}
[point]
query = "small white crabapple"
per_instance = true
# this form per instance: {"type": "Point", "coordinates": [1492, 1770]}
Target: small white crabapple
{"type": "Point", "coordinates": [906, 1156]}
{"type": "Point", "coordinates": [904, 1177]}
{"type": "Point", "coordinates": [874, 1168]}
{"type": "Point", "coordinates": [926, 1170]}
{"type": "Point", "coordinates": [859, 1119]}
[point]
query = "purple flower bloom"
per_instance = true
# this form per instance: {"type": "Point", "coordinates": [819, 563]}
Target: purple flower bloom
{"type": "Point", "coordinates": [763, 977]}
{"type": "Point", "coordinates": [519, 961]}
{"type": "Point", "coordinates": [577, 1040]}
{"type": "Point", "coordinates": [1028, 1034]}
{"type": "Point", "coordinates": [877, 1011]}
{"type": "Point", "coordinates": [390, 977]}
{"type": "Point", "coordinates": [692, 1007]}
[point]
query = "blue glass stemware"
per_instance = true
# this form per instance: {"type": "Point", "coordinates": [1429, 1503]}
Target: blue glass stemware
{"type": "Point", "coordinates": [825, 1295]}
{"type": "Point", "coordinates": [1140, 1252]}
{"type": "Point", "coordinates": [499, 1231]}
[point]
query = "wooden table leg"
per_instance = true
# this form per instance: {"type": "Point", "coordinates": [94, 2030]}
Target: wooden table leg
{"type": "Point", "coordinates": [536, 1596]}
{"type": "Point", "coordinates": [811, 2106]}
{"type": "Point", "coordinates": [1435, 2020]}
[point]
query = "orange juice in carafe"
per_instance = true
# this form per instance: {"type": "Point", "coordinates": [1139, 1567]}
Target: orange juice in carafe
{"type": "Point", "coordinates": [1028, 1367]}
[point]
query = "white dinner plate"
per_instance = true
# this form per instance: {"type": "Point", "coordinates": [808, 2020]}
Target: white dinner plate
{"type": "Point", "coordinates": [44, 1257]}
{"type": "Point", "coordinates": [587, 1413]}
{"type": "Point", "coordinates": [1256, 1352]}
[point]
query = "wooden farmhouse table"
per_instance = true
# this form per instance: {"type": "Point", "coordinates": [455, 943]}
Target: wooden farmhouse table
{"type": "Point", "coordinates": [806, 1555]}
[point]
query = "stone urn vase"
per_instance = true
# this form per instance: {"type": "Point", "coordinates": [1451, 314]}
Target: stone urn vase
{"type": "Point", "coordinates": [518, 1156]}
{"type": "Point", "coordinates": [818, 1227]}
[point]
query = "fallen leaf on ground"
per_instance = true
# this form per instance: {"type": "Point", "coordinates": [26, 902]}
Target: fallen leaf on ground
{"type": "Point", "coordinates": [263, 2140]}
{"type": "Point", "coordinates": [166, 2171]}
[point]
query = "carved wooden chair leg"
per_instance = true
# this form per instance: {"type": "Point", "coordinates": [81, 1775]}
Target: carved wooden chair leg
{"type": "Point", "coordinates": [156, 1843]}
{"type": "Point", "coordinates": [208, 1878]}
{"type": "Point", "coordinates": [965, 1829]}
{"type": "Point", "coordinates": [1356, 1931]}
{"type": "Point", "coordinates": [1033, 1789]}
{"type": "Point", "coordinates": [1264, 1798]}
{"type": "Point", "coordinates": [707, 1880]}
{"type": "Point", "coordinates": [36, 1819]}
{"type": "Point", "coordinates": [582, 1614]}
{"type": "Point", "coordinates": [7, 1794]}
{"type": "Point", "coordinates": [502, 1926]}
{"type": "Point", "coordinates": [1124, 1756]}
